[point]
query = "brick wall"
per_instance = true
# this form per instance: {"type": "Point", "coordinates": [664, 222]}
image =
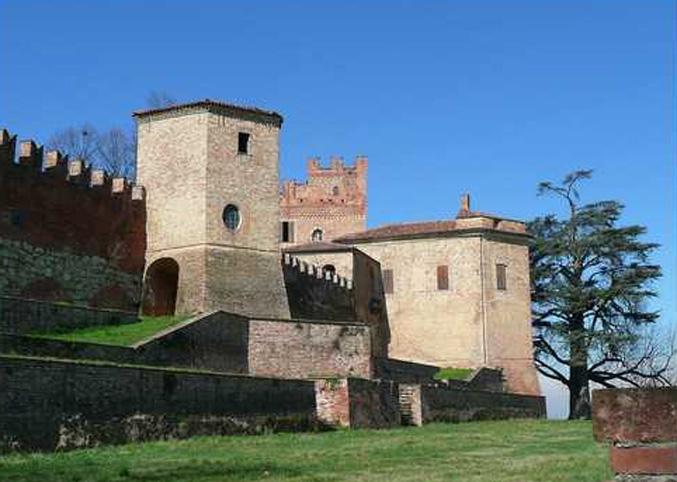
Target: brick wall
{"type": "Point", "coordinates": [357, 403]}
{"type": "Point", "coordinates": [48, 405]}
{"type": "Point", "coordinates": [309, 349]}
{"type": "Point", "coordinates": [188, 161]}
{"type": "Point", "coordinates": [313, 294]}
{"type": "Point", "coordinates": [224, 342]}
{"type": "Point", "coordinates": [20, 315]}
{"type": "Point", "coordinates": [438, 403]}
{"type": "Point", "coordinates": [363, 300]}
{"type": "Point", "coordinates": [333, 200]}
{"type": "Point", "coordinates": [68, 233]}
{"type": "Point", "coordinates": [404, 371]}
{"type": "Point", "coordinates": [641, 424]}
{"type": "Point", "coordinates": [31, 271]}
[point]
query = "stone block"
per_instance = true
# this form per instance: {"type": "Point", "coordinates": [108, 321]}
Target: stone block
{"type": "Point", "coordinates": [651, 460]}
{"type": "Point", "coordinates": [635, 415]}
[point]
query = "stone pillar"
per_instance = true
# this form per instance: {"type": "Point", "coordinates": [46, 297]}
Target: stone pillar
{"type": "Point", "coordinates": [641, 424]}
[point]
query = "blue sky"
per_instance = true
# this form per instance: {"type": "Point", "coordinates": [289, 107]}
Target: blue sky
{"type": "Point", "coordinates": [489, 97]}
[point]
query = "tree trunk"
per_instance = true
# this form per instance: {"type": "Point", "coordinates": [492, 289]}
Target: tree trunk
{"type": "Point", "coordinates": [579, 394]}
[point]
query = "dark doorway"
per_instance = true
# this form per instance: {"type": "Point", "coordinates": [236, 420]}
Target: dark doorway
{"type": "Point", "coordinates": [162, 280]}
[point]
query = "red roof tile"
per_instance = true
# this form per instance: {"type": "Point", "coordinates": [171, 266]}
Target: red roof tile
{"type": "Point", "coordinates": [207, 104]}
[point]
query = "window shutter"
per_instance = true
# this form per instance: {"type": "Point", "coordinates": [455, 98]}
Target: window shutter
{"type": "Point", "coordinates": [291, 231]}
{"type": "Point", "coordinates": [443, 277]}
{"type": "Point", "coordinates": [501, 277]}
{"type": "Point", "coordinates": [388, 281]}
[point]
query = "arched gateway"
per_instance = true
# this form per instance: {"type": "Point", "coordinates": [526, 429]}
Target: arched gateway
{"type": "Point", "coordinates": [160, 287]}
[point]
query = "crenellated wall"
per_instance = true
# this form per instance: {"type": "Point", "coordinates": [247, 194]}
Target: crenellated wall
{"type": "Point", "coordinates": [333, 200]}
{"type": "Point", "coordinates": [317, 294]}
{"type": "Point", "coordinates": [68, 232]}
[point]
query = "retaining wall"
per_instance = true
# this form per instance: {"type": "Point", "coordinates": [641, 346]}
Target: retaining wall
{"type": "Point", "coordinates": [437, 403]}
{"type": "Point", "coordinates": [225, 342]}
{"type": "Point", "coordinates": [47, 405]}
{"type": "Point", "coordinates": [358, 403]}
{"type": "Point", "coordinates": [20, 315]}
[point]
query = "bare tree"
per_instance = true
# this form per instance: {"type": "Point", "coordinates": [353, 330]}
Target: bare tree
{"type": "Point", "coordinates": [158, 99]}
{"type": "Point", "coordinates": [77, 142]}
{"type": "Point", "coordinates": [117, 153]}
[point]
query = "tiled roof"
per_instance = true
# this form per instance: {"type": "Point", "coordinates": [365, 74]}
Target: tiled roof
{"type": "Point", "coordinates": [208, 103]}
{"type": "Point", "coordinates": [403, 229]}
{"type": "Point", "coordinates": [320, 246]}
{"type": "Point", "coordinates": [431, 228]}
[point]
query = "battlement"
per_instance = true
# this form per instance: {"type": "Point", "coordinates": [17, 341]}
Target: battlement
{"type": "Point", "coordinates": [317, 294]}
{"type": "Point", "coordinates": [336, 184]}
{"type": "Point", "coordinates": [52, 202]}
{"type": "Point", "coordinates": [337, 166]}
{"type": "Point", "coordinates": [312, 271]}
{"type": "Point", "coordinates": [53, 165]}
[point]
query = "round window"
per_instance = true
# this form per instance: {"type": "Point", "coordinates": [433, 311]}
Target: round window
{"type": "Point", "coordinates": [231, 217]}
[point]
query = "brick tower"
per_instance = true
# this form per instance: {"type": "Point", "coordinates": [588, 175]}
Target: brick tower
{"type": "Point", "coordinates": [332, 203]}
{"type": "Point", "coordinates": [211, 172]}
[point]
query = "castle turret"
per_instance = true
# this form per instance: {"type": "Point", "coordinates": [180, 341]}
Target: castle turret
{"type": "Point", "coordinates": [332, 203]}
{"type": "Point", "coordinates": [211, 176]}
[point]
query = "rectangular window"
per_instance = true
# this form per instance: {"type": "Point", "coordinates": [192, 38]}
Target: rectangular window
{"type": "Point", "coordinates": [287, 231]}
{"type": "Point", "coordinates": [443, 277]}
{"type": "Point", "coordinates": [242, 143]}
{"type": "Point", "coordinates": [501, 277]}
{"type": "Point", "coordinates": [388, 281]}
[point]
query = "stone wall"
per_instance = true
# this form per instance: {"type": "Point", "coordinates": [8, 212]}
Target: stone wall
{"type": "Point", "coordinates": [61, 275]}
{"type": "Point", "coordinates": [404, 371]}
{"type": "Point", "coordinates": [46, 405]}
{"type": "Point", "coordinates": [34, 346]}
{"type": "Point", "coordinates": [471, 324]}
{"type": "Point", "coordinates": [314, 294]}
{"type": "Point", "coordinates": [67, 232]}
{"type": "Point", "coordinates": [353, 269]}
{"type": "Point", "coordinates": [439, 403]}
{"type": "Point", "coordinates": [20, 315]}
{"type": "Point", "coordinates": [641, 424]}
{"type": "Point", "coordinates": [188, 160]}
{"type": "Point", "coordinates": [358, 403]}
{"type": "Point", "coordinates": [309, 349]}
{"type": "Point", "coordinates": [224, 342]}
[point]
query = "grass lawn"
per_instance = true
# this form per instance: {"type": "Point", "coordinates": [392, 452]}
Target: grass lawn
{"type": "Point", "coordinates": [517, 450]}
{"type": "Point", "coordinates": [453, 374]}
{"type": "Point", "coordinates": [125, 334]}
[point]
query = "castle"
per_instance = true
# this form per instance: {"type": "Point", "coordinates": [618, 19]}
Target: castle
{"type": "Point", "coordinates": [280, 282]}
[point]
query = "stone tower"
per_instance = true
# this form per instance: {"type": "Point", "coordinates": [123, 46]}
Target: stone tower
{"type": "Point", "coordinates": [211, 173]}
{"type": "Point", "coordinates": [332, 203]}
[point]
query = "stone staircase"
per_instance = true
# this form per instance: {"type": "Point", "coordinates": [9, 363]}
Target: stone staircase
{"type": "Point", "coordinates": [410, 404]}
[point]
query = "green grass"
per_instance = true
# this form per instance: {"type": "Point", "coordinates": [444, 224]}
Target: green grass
{"type": "Point", "coordinates": [125, 334]}
{"type": "Point", "coordinates": [517, 451]}
{"type": "Point", "coordinates": [453, 373]}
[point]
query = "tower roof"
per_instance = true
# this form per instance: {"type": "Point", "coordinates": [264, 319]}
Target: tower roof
{"type": "Point", "coordinates": [213, 106]}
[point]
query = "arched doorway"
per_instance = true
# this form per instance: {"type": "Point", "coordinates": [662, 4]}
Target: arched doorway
{"type": "Point", "coordinates": [160, 286]}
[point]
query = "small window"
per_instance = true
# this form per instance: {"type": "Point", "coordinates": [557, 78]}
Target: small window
{"type": "Point", "coordinates": [335, 191]}
{"type": "Point", "coordinates": [501, 277]}
{"type": "Point", "coordinates": [443, 277]}
{"type": "Point", "coordinates": [388, 281]}
{"type": "Point", "coordinates": [231, 217]}
{"type": "Point", "coordinates": [287, 231]}
{"type": "Point", "coordinates": [317, 235]}
{"type": "Point", "coordinates": [242, 143]}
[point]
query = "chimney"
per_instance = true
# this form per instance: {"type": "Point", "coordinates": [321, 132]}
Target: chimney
{"type": "Point", "coordinates": [465, 206]}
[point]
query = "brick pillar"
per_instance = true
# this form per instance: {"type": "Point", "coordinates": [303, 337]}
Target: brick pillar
{"type": "Point", "coordinates": [641, 424]}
